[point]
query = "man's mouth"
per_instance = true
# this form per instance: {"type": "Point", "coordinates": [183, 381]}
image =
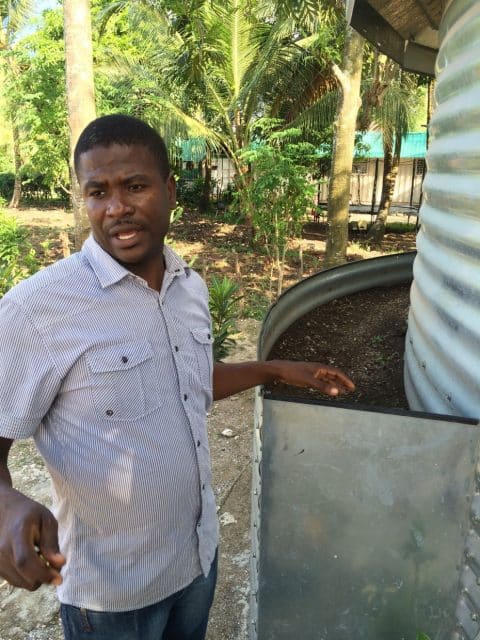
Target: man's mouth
{"type": "Point", "coordinates": [125, 232]}
{"type": "Point", "coordinates": [126, 235]}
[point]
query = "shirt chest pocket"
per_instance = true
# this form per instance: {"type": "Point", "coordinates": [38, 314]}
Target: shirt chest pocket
{"type": "Point", "coordinates": [123, 380]}
{"type": "Point", "coordinates": [202, 341]}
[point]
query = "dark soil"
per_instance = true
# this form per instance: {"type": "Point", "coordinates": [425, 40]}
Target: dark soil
{"type": "Point", "coordinates": [363, 334]}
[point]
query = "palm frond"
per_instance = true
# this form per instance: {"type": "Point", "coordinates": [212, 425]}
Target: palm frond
{"type": "Point", "coordinates": [174, 123]}
{"type": "Point", "coordinates": [13, 16]}
{"type": "Point", "coordinates": [319, 115]}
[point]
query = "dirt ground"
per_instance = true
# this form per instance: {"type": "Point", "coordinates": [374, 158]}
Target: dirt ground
{"type": "Point", "coordinates": [216, 247]}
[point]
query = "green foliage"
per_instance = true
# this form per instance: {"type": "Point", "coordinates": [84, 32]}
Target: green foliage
{"type": "Point", "coordinates": [401, 227]}
{"type": "Point", "coordinates": [17, 256]}
{"type": "Point", "coordinates": [39, 90]}
{"type": "Point", "coordinates": [422, 636]}
{"type": "Point", "coordinates": [202, 68]}
{"type": "Point", "coordinates": [191, 194]}
{"type": "Point", "coordinates": [256, 303]}
{"type": "Point", "coordinates": [6, 185]}
{"type": "Point", "coordinates": [228, 205]}
{"type": "Point", "coordinates": [176, 214]}
{"type": "Point", "coordinates": [279, 191]}
{"type": "Point", "coordinates": [205, 68]}
{"type": "Point", "coordinates": [224, 300]}
{"type": "Point", "coordinates": [211, 69]}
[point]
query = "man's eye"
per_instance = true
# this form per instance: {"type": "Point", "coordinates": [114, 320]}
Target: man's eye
{"type": "Point", "coordinates": [135, 187]}
{"type": "Point", "coordinates": [96, 194]}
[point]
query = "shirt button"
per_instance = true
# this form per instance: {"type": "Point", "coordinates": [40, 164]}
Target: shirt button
{"type": "Point", "coordinates": [176, 348]}
{"type": "Point", "coordinates": [198, 443]}
{"type": "Point", "coordinates": [124, 359]}
{"type": "Point", "coordinates": [109, 412]}
{"type": "Point", "coordinates": [185, 397]}
{"type": "Point", "coordinates": [203, 487]}
{"type": "Point", "coordinates": [209, 336]}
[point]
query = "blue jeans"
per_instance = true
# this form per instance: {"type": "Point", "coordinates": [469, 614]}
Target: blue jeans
{"type": "Point", "coordinates": [181, 616]}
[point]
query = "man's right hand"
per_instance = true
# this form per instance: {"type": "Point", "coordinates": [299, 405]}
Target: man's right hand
{"type": "Point", "coordinates": [29, 553]}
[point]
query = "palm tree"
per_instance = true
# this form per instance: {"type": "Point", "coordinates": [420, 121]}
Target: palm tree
{"type": "Point", "coordinates": [80, 92]}
{"type": "Point", "coordinates": [220, 66]}
{"type": "Point", "coordinates": [349, 78]}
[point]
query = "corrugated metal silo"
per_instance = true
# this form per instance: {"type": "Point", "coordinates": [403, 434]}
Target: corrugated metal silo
{"type": "Point", "coordinates": [442, 359]}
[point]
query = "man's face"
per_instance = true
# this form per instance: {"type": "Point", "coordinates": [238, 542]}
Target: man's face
{"type": "Point", "coordinates": [128, 203]}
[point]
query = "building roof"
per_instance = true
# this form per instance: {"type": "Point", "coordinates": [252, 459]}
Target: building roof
{"type": "Point", "coordinates": [405, 30]}
{"type": "Point", "coordinates": [193, 149]}
{"type": "Point", "coordinates": [414, 145]}
{"type": "Point", "coordinates": [369, 145]}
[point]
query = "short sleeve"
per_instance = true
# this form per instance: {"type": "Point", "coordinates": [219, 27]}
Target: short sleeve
{"type": "Point", "coordinates": [29, 380]}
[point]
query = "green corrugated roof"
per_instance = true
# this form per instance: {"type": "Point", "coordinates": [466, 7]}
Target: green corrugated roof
{"type": "Point", "coordinates": [414, 145]}
{"type": "Point", "coordinates": [369, 144]}
{"type": "Point", "coordinates": [193, 149]}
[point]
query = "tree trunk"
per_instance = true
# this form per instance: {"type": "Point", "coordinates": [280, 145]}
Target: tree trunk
{"type": "Point", "coordinates": [17, 187]}
{"type": "Point", "coordinates": [204, 204]}
{"type": "Point", "coordinates": [80, 93]}
{"type": "Point", "coordinates": [391, 161]}
{"type": "Point", "coordinates": [243, 179]}
{"type": "Point", "coordinates": [344, 142]}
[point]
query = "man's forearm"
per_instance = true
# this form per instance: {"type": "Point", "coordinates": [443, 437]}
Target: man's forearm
{"type": "Point", "coordinates": [230, 378]}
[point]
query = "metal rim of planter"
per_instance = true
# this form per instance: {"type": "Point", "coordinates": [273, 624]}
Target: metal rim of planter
{"type": "Point", "coordinates": [324, 286]}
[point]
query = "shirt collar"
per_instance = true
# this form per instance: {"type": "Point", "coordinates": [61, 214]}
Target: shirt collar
{"type": "Point", "coordinates": [109, 271]}
{"type": "Point", "coordinates": [174, 263]}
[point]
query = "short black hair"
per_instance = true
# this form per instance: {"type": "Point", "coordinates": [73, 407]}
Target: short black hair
{"type": "Point", "coordinates": [125, 130]}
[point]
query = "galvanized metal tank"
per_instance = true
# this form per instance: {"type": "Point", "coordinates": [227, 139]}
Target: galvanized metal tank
{"type": "Point", "coordinates": [363, 521]}
{"type": "Point", "coordinates": [442, 360]}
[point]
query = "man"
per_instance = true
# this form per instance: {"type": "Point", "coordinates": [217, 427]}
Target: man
{"type": "Point", "coordinates": [106, 361]}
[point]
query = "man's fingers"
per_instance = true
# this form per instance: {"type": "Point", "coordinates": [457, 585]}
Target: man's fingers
{"type": "Point", "coordinates": [31, 567]}
{"type": "Point", "coordinates": [335, 376]}
{"type": "Point", "coordinates": [329, 389]}
{"type": "Point", "coordinates": [314, 375]}
{"type": "Point", "coordinates": [15, 579]}
{"type": "Point", "coordinates": [48, 544]}
{"type": "Point", "coordinates": [29, 571]}
{"type": "Point", "coordinates": [30, 563]}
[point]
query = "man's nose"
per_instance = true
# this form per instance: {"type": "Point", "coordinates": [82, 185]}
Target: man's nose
{"type": "Point", "coordinates": [118, 205]}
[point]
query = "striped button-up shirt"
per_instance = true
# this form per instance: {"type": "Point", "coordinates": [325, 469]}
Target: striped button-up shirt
{"type": "Point", "coordinates": [113, 380]}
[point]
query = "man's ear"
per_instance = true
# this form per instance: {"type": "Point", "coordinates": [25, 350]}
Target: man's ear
{"type": "Point", "coordinates": [172, 191]}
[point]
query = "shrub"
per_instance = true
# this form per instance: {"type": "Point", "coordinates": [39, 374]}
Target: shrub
{"type": "Point", "coordinates": [224, 312]}
{"type": "Point", "coordinates": [7, 181]}
{"type": "Point", "coordinates": [279, 191]}
{"type": "Point", "coordinates": [17, 256]}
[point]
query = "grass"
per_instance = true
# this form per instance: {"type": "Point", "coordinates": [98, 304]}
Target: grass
{"type": "Point", "coordinates": [256, 304]}
{"type": "Point", "coordinates": [401, 227]}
